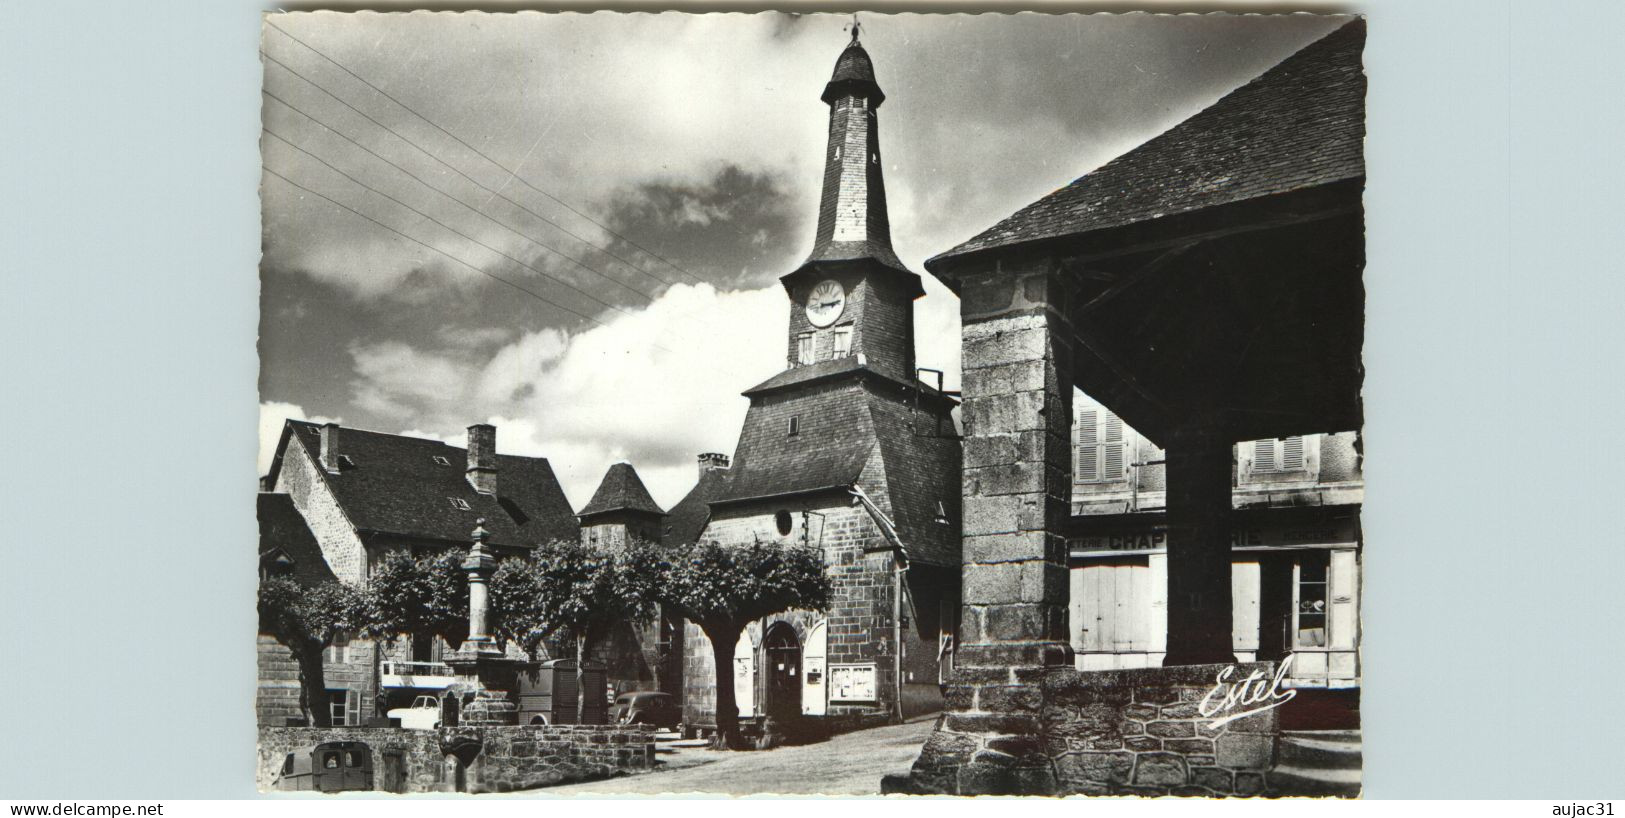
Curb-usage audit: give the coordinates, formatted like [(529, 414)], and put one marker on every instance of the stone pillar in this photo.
[(480, 565), (1017, 496), (1017, 464), (1199, 605)]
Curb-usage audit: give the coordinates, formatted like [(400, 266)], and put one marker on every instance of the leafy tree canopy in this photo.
[(426, 596), (710, 583)]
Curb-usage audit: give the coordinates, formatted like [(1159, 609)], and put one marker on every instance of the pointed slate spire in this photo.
[(852, 220)]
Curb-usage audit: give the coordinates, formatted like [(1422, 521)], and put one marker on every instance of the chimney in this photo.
[(712, 461), (482, 458), (330, 448)]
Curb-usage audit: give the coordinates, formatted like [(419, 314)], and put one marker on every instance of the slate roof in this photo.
[(395, 486), (855, 71), (621, 490), (828, 369), (688, 518), (844, 427), (283, 531), (1300, 124)]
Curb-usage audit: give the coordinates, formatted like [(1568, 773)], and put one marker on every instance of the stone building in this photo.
[(621, 510), (1295, 565), (363, 494), (635, 656), (1206, 287), (846, 451)]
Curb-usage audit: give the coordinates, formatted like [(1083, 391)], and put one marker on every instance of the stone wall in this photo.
[(490, 759), (1114, 732), (300, 479), (859, 622)]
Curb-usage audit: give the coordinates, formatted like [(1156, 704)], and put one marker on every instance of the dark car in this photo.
[(647, 707)]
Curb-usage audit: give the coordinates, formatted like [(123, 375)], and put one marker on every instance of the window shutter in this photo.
[(1292, 453), (1111, 467), (1263, 455), (1087, 461)]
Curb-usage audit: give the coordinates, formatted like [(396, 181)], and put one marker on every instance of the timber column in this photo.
[(1199, 596), (1017, 496)]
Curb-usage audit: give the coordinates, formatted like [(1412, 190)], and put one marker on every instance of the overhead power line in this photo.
[(453, 168), (476, 211), (470, 265), (442, 224), (513, 174), (336, 203)]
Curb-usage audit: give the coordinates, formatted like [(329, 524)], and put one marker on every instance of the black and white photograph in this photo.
[(639, 415), (904, 408)]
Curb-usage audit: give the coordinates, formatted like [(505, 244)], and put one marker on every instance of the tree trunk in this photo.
[(723, 637), (313, 686), (581, 677)]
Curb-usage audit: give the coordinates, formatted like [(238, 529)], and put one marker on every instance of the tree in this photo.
[(572, 589), (416, 597), (725, 589), (306, 620)]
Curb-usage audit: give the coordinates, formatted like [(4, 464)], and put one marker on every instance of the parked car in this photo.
[(424, 714), (336, 766), (647, 707)]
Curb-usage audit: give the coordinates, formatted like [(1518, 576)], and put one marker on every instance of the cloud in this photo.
[(273, 414)]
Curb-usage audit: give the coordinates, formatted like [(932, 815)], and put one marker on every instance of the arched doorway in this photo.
[(782, 650)]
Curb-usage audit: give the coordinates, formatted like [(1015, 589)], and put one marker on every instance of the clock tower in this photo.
[(847, 452), (852, 297)]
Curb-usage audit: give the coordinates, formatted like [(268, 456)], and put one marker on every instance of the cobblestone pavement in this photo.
[(850, 764)]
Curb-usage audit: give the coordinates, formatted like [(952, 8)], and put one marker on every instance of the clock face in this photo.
[(825, 303)]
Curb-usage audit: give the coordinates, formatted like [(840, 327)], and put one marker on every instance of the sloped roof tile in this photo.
[(1297, 125), (621, 490), (395, 485)]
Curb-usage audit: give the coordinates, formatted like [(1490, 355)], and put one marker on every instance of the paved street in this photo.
[(850, 764)]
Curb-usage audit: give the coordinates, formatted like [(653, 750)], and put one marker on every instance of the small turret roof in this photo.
[(621, 490)]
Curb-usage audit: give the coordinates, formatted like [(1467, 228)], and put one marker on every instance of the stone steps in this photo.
[(1317, 762)]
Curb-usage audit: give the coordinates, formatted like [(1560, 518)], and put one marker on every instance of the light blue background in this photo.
[(128, 246)]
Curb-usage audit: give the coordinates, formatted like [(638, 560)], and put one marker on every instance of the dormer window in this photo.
[(458, 503), (441, 461)]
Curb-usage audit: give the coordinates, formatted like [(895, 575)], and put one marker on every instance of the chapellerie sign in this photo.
[(1231, 699)]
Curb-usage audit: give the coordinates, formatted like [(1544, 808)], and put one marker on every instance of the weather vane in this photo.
[(855, 26)]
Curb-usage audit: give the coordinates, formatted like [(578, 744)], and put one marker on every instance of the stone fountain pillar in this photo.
[(480, 662)]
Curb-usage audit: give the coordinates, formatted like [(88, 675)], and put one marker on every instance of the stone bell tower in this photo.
[(853, 297)]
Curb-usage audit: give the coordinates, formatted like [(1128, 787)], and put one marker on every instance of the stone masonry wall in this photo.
[(340, 546), (496, 759), (1114, 732), (860, 628)]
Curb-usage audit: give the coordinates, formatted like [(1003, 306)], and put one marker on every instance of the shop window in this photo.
[(1100, 453), (804, 348), (1310, 631), (842, 338)]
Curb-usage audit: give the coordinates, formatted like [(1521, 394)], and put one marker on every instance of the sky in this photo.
[(621, 192)]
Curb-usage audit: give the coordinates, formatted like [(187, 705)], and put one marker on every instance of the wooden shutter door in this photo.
[(1343, 618), (1087, 465), (1111, 460), (1292, 453), (1263, 455)]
